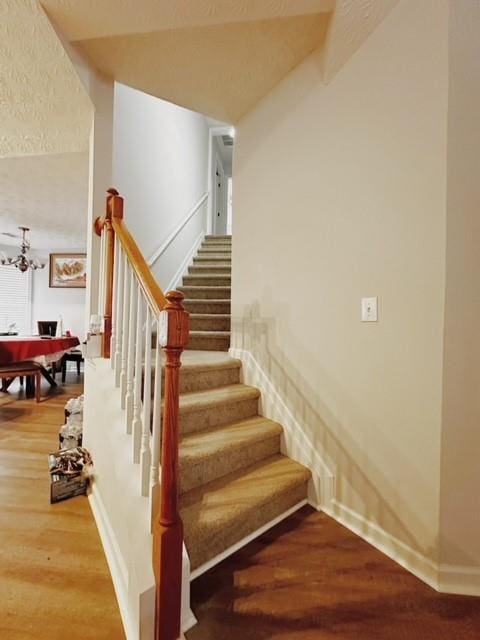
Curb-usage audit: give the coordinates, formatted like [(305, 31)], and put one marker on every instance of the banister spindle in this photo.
[(145, 458), (132, 327), (120, 269), (127, 277), (156, 432), (168, 531), (137, 380)]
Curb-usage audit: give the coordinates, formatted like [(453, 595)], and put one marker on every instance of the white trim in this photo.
[(161, 249), (116, 563), (459, 579), (295, 443), (182, 269), (410, 559), (238, 545)]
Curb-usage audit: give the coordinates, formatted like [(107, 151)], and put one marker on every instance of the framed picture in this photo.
[(68, 270)]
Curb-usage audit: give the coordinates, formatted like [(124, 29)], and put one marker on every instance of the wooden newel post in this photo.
[(114, 209), (173, 336)]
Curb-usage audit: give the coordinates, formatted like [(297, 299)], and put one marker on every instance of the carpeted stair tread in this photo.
[(222, 512), (203, 360), (211, 305), (213, 398), (212, 257), (213, 267), (205, 292), (210, 322), (212, 237), (207, 279), (213, 453), (210, 334)]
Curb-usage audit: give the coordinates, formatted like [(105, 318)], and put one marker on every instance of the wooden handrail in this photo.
[(173, 321)]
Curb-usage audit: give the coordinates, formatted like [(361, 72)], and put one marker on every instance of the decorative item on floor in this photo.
[(71, 433), (70, 473), (24, 260), (68, 270)]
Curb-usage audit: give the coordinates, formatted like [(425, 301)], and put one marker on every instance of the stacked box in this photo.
[(71, 433), (68, 473)]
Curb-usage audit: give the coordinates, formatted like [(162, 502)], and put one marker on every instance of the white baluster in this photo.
[(101, 284), (132, 329), (137, 380), (145, 457), (113, 338), (156, 431), (127, 277), (120, 268)]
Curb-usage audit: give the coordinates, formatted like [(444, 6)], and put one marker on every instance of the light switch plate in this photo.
[(369, 310)]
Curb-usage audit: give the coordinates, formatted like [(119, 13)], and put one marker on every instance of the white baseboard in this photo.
[(415, 562), (295, 443), (182, 270), (459, 579), (235, 547), (116, 564)]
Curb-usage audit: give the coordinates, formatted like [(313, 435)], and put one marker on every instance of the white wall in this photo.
[(340, 193), (160, 167), (48, 303), (460, 522)]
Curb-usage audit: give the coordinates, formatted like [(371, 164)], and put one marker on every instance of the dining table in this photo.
[(38, 348)]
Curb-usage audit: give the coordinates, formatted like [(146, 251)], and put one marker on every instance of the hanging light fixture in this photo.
[(23, 261)]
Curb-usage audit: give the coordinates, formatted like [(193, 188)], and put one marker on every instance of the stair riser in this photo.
[(212, 267), (212, 257), (208, 280), (211, 238), (208, 379), (194, 475), (216, 415), (201, 550), (207, 343), (209, 324), (222, 246), (202, 293), (203, 306), (215, 248)]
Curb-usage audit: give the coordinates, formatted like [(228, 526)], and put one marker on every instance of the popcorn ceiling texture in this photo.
[(47, 193), (92, 19), (352, 22), (43, 107)]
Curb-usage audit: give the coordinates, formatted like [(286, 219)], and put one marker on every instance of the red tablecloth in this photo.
[(16, 349)]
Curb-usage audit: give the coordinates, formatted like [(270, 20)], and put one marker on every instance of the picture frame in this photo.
[(68, 271)]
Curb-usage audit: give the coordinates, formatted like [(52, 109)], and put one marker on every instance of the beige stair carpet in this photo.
[(233, 478)]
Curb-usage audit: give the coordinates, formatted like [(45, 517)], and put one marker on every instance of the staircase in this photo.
[(233, 478), (207, 295), (220, 458)]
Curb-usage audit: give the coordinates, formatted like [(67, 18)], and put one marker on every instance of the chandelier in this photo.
[(23, 261)]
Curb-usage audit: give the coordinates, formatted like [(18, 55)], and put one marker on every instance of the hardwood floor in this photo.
[(309, 578), (54, 579)]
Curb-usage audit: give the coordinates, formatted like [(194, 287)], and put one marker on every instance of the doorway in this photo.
[(221, 160)]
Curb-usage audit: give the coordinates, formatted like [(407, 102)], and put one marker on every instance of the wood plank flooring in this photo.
[(309, 578), (54, 579)]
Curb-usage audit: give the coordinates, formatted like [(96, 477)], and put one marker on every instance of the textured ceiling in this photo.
[(352, 22), (43, 107), (220, 70), (48, 194), (85, 19)]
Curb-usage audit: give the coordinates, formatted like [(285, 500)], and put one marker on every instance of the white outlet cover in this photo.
[(369, 309)]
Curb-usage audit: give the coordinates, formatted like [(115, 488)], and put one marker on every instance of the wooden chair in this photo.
[(9, 372), (47, 327), (75, 355)]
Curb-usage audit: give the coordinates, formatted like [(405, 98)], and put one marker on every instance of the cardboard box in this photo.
[(66, 485), (63, 487)]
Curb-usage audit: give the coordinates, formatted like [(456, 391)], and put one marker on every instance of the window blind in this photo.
[(15, 299)]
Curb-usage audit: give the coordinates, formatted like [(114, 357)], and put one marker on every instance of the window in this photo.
[(15, 299)]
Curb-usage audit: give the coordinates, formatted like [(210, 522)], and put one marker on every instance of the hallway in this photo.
[(309, 578), (53, 574)]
